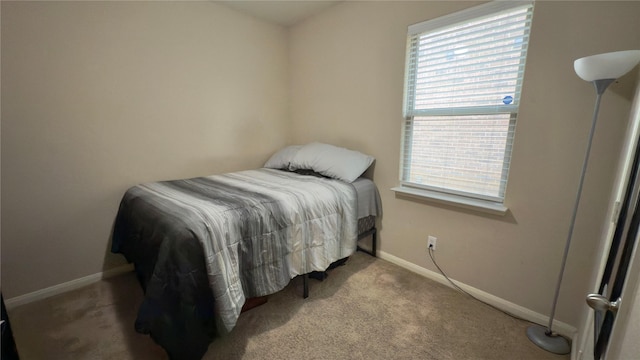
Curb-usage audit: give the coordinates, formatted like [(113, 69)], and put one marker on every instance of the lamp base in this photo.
[(551, 342)]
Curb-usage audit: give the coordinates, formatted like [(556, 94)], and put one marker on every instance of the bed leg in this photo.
[(305, 285), (373, 232), (373, 242)]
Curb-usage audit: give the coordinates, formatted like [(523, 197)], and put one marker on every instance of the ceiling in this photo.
[(283, 12)]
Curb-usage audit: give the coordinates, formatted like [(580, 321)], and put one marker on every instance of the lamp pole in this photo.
[(601, 86), (545, 337)]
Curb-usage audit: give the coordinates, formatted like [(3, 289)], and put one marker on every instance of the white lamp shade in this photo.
[(606, 66)]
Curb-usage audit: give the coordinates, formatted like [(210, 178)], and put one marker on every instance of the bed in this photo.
[(203, 246)]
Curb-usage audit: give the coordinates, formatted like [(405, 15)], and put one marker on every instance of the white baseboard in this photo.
[(558, 326), (67, 286)]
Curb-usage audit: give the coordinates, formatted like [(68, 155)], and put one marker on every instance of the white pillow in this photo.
[(282, 157), (332, 161)]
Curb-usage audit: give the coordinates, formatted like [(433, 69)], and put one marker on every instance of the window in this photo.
[(463, 81)]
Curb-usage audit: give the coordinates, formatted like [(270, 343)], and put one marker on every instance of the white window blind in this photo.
[(463, 81)]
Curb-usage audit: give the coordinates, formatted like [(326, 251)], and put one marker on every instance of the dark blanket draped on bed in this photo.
[(202, 246), (177, 309)]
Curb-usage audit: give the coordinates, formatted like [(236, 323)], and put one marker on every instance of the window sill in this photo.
[(454, 200)]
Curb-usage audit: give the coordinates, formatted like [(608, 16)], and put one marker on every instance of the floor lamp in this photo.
[(601, 70)]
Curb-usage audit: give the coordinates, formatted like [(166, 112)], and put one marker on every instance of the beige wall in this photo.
[(347, 68), (97, 97)]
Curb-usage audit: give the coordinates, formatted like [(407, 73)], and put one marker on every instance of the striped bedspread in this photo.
[(254, 230)]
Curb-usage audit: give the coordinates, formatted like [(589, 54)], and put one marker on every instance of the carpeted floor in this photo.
[(367, 309)]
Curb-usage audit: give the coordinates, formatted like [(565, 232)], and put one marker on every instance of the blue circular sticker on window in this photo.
[(507, 100)]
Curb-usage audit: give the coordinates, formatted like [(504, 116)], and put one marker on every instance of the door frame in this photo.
[(622, 335)]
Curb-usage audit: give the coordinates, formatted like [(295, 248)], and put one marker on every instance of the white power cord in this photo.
[(466, 293)]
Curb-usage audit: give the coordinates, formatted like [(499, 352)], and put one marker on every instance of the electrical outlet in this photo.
[(431, 242)]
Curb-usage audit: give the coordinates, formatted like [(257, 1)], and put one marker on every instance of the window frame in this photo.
[(492, 204)]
